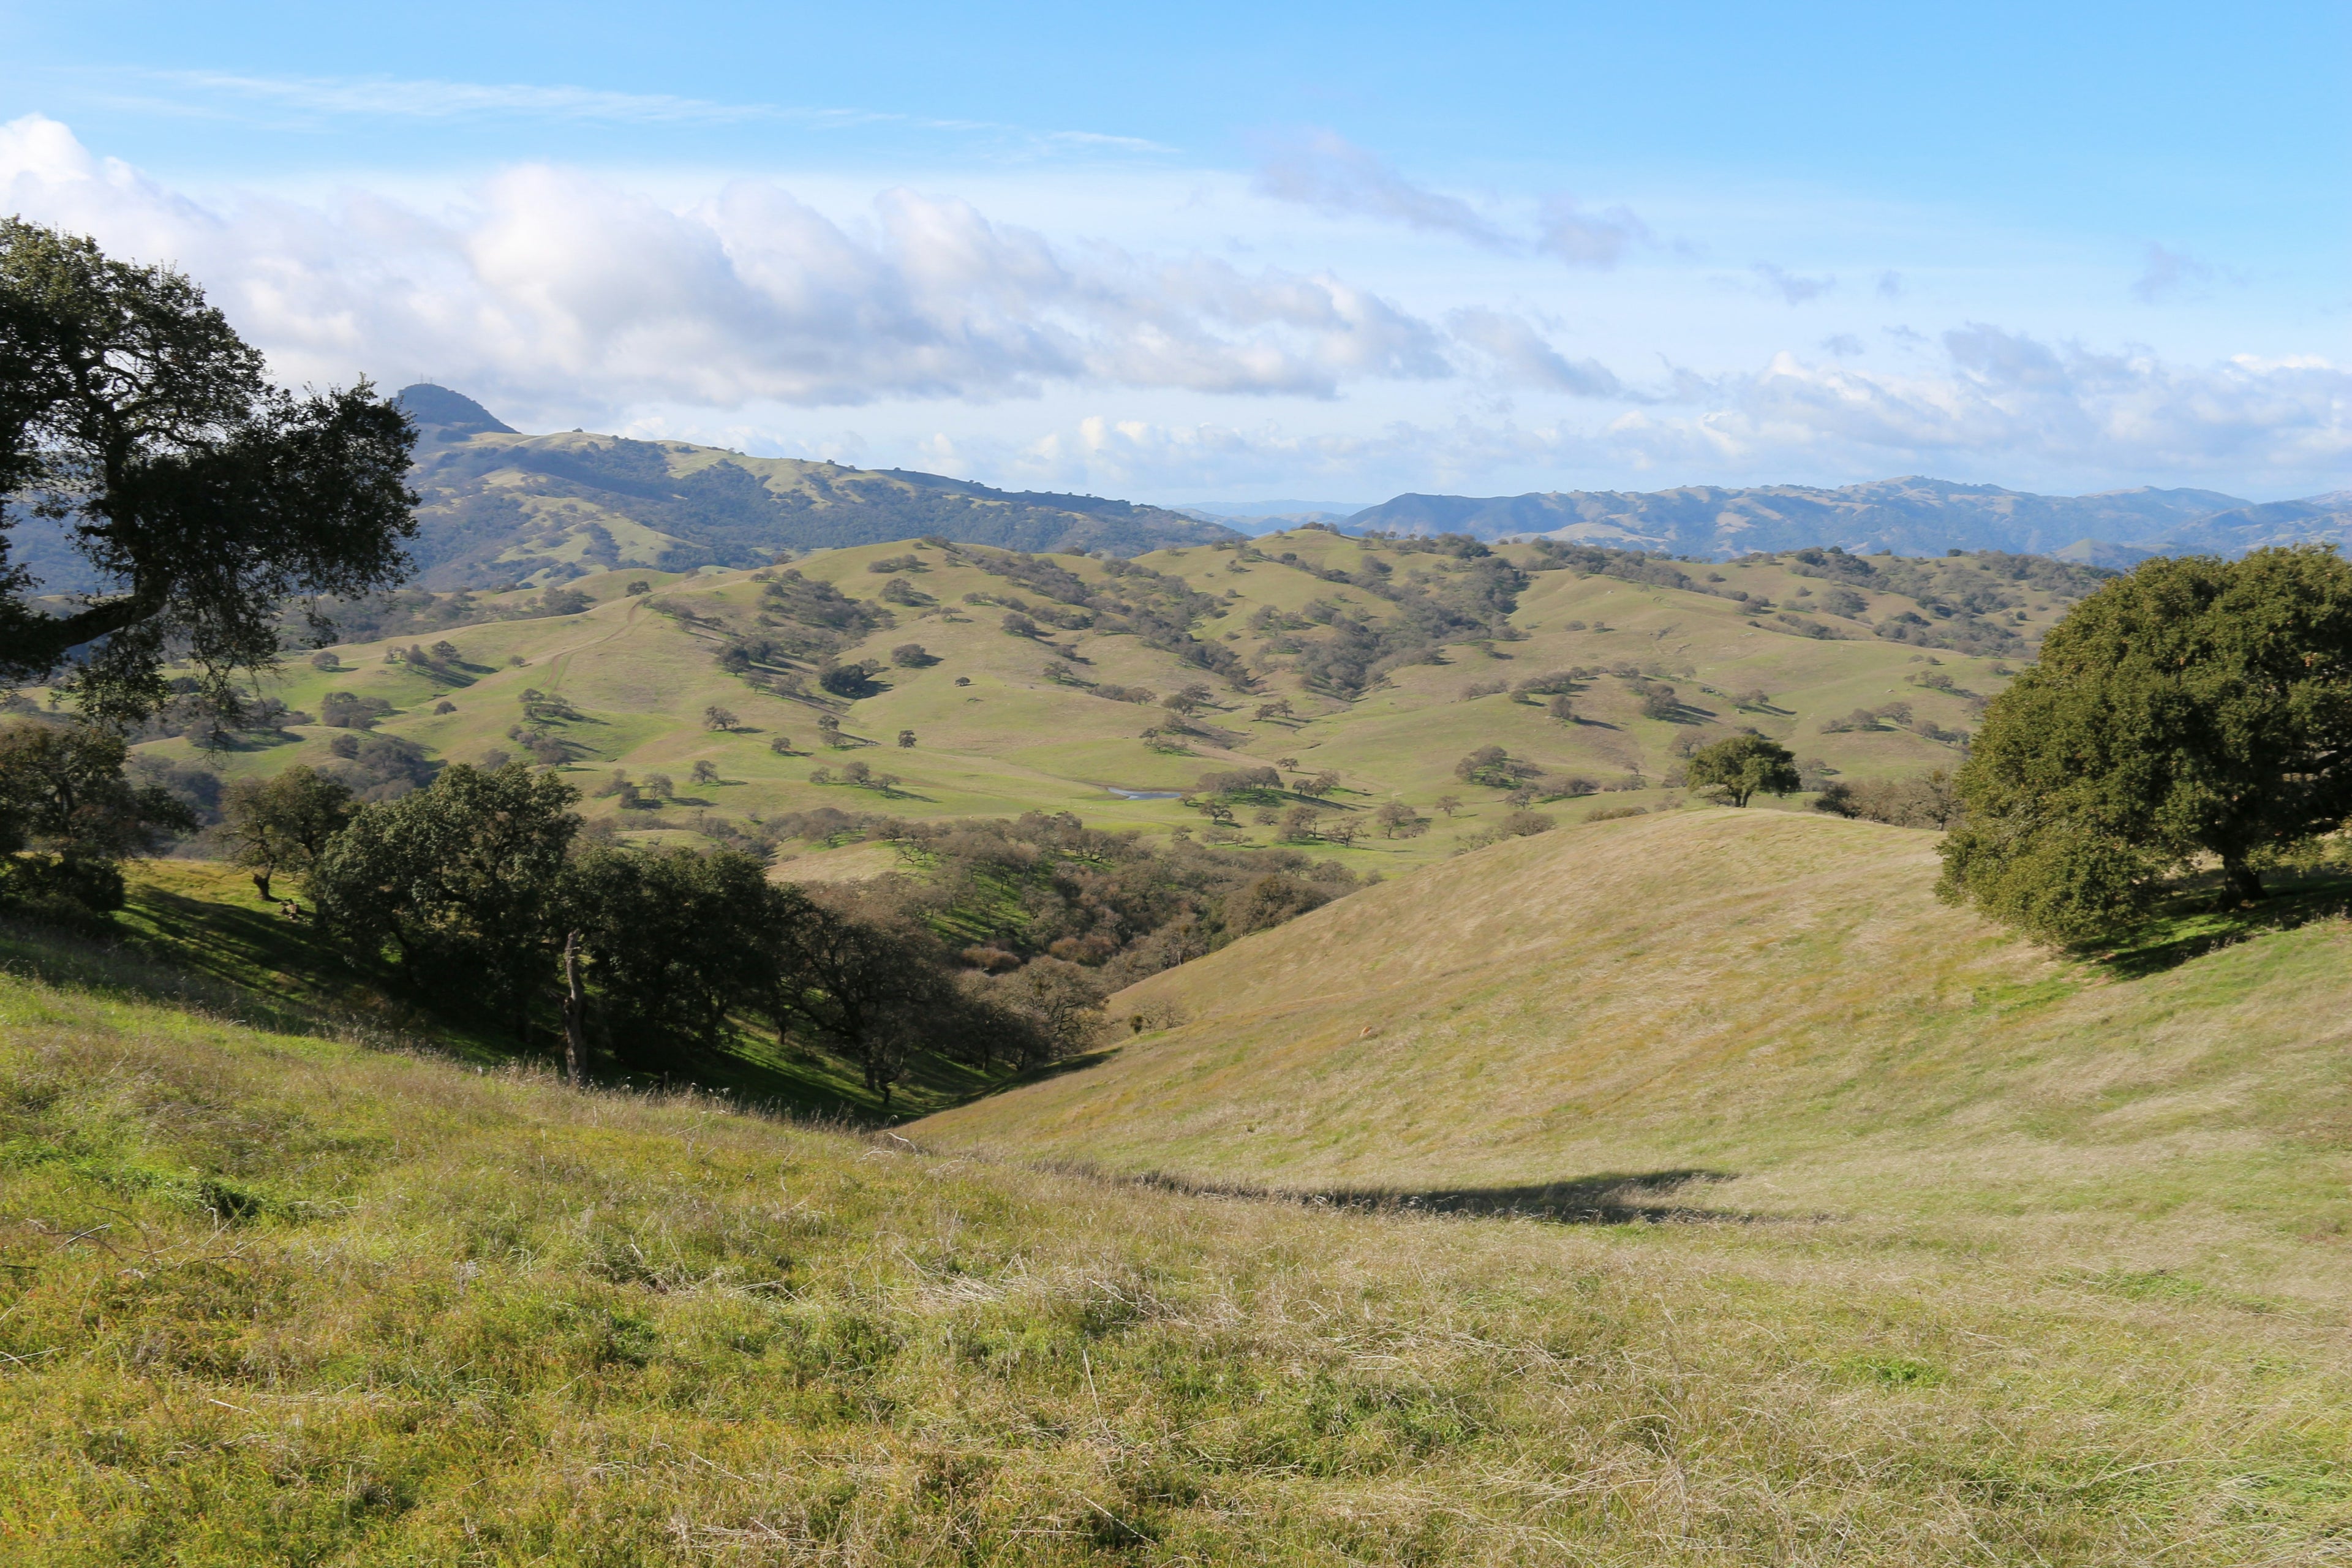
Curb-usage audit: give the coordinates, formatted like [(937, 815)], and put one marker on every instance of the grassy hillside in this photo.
[(637, 673), (270, 1297), (1772, 999), (501, 507)]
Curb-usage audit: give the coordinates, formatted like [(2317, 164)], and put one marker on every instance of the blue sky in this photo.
[(1224, 251)]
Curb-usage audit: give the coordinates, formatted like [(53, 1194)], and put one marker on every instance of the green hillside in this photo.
[(271, 1297), (1005, 723), (1775, 999), (498, 506)]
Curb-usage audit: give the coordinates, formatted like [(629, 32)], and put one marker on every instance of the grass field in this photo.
[(271, 1297), (1011, 740), (1775, 1001)]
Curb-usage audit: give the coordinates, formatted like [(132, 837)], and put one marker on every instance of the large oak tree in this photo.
[(132, 415), (2196, 710)]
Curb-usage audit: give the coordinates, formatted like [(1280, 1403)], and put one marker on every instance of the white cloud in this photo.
[(1995, 404), (552, 286), (1327, 172), (1520, 355), (562, 298)]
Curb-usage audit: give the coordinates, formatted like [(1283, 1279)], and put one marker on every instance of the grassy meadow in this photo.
[(277, 1297), (1009, 739)]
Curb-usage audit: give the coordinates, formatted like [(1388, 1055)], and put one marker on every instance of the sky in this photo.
[(1217, 252)]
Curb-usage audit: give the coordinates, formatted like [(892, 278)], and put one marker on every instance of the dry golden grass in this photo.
[(1774, 998), (268, 1299)]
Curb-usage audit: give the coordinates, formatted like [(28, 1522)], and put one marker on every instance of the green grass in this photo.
[(1775, 998), (1012, 740), (275, 1297)]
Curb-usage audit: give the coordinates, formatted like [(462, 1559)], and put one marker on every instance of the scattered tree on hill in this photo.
[(1494, 768), (1318, 786), (2194, 708), (671, 944), (910, 656), (283, 824), (133, 412), (828, 729), (1398, 820), (1926, 800), (1298, 823), (68, 818), (1449, 805), (1018, 626), (706, 772), (717, 718), (457, 881), (906, 738), (781, 744), (1561, 709), (1738, 768)]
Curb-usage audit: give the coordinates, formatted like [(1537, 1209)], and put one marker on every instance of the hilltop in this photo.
[(1771, 994), (497, 507), (1385, 662)]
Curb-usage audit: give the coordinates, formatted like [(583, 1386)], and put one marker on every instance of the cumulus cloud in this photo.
[(553, 280), (1993, 403)]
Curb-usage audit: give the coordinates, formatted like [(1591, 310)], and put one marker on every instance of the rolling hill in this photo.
[(1772, 994), (1845, 1231), (1911, 516), (1387, 692), (497, 507)]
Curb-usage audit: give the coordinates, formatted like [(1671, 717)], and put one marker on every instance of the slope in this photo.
[(1775, 998), (1911, 515), (1003, 722), (497, 507), (269, 1298)]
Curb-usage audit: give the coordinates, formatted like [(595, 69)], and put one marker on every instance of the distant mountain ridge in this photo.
[(497, 507), (1911, 516)]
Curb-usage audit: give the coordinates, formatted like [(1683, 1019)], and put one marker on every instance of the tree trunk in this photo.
[(2244, 879), (575, 1008), (261, 885)]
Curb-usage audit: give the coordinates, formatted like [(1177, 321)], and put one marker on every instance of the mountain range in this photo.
[(1910, 516), (497, 507)]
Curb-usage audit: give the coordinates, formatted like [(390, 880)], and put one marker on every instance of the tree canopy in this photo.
[(132, 413), (2196, 708), (1742, 766)]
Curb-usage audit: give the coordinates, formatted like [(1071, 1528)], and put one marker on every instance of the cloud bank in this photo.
[(562, 297)]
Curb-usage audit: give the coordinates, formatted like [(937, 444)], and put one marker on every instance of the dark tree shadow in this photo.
[(1646, 1197), (2200, 919)]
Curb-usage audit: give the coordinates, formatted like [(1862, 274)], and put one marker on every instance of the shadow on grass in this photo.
[(2199, 919), (1646, 1197)]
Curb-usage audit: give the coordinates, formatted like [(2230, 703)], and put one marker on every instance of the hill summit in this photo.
[(497, 507)]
